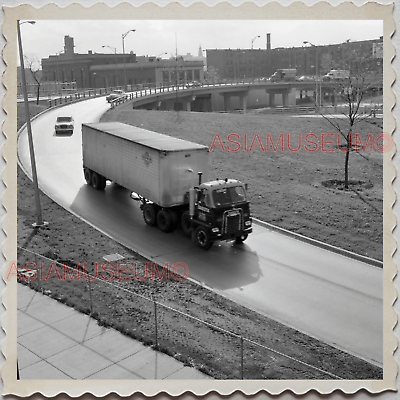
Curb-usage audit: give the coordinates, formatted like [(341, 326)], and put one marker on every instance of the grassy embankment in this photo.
[(286, 188)]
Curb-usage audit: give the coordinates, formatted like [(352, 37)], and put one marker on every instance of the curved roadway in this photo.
[(328, 296)]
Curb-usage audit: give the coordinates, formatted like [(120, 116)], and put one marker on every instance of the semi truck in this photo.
[(284, 75), (170, 179)]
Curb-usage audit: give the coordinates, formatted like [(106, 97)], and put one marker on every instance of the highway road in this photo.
[(328, 296)]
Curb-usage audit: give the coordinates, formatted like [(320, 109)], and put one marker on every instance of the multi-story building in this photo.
[(93, 70), (308, 60)]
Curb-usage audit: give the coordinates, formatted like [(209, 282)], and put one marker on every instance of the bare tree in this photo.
[(34, 66), (363, 81)]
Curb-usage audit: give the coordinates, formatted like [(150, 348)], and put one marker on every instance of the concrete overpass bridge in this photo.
[(229, 96)]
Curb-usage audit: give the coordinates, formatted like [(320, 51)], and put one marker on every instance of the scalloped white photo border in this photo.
[(270, 11)]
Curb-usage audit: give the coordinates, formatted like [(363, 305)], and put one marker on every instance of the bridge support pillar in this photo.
[(186, 103), (285, 99), (271, 99), (227, 102), (243, 102), (334, 97)]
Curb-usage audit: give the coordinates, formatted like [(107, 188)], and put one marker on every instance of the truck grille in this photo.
[(232, 221)]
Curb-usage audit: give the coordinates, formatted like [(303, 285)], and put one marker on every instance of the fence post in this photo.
[(155, 320), (241, 357), (90, 296), (37, 273)]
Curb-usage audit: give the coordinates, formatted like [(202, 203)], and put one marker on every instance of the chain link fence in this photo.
[(198, 343)]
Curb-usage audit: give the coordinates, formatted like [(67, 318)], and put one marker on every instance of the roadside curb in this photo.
[(317, 243)]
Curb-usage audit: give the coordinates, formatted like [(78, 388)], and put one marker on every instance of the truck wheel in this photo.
[(241, 239), (97, 181), (174, 217), (185, 224), (150, 214), (164, 220), (203, 238), (88, 176), (103, 183)]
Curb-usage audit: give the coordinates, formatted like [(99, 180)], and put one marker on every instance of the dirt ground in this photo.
[(69, 240)]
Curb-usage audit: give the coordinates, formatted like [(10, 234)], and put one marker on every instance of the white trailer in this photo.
[(158, 167), (164, 173)]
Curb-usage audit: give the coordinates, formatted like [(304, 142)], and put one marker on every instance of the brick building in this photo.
[(262, 63), (93, 70)]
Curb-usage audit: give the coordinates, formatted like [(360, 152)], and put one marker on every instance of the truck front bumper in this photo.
[(215, 236)]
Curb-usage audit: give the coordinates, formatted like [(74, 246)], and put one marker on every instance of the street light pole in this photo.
[(116, 65), (39, 221), (124, 35), (317, 95), (252, 58)]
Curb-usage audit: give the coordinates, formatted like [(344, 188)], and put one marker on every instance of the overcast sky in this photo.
[(153, 37)]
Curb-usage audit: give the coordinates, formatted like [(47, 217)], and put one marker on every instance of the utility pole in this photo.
[(39, 221), (252, 58), (124, 35), (317, 95), (116, 64)]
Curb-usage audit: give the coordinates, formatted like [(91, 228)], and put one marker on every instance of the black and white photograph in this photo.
[(199, 199)]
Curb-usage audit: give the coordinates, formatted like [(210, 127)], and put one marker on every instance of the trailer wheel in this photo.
[(88, 176), (175, 220), (164, 220), (103, 183), (96, 181), (150, 214), (185, 224), (241, 239), (203, 238)]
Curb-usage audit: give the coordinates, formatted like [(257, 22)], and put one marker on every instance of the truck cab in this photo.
[(219, 210)]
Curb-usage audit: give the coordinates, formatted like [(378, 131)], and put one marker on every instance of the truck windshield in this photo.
[(229, 195), (63, 119)]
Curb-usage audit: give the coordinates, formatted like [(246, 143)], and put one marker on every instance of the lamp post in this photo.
[(39, 220), (317, 95), (157, 70), (116, 65), (124, 35), (252, 58)]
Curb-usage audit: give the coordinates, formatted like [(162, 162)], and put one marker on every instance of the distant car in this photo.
[(64, 125), (305, 78), (115, 94), (193, 84)]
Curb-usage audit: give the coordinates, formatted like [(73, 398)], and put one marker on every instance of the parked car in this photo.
[(193, 84), (115, 94), (64, 125)]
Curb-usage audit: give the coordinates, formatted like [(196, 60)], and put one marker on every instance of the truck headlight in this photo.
[(248, 223), (215, 230)]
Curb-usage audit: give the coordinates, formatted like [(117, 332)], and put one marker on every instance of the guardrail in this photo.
[(78, 96), (169, 330), (367, 109)]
